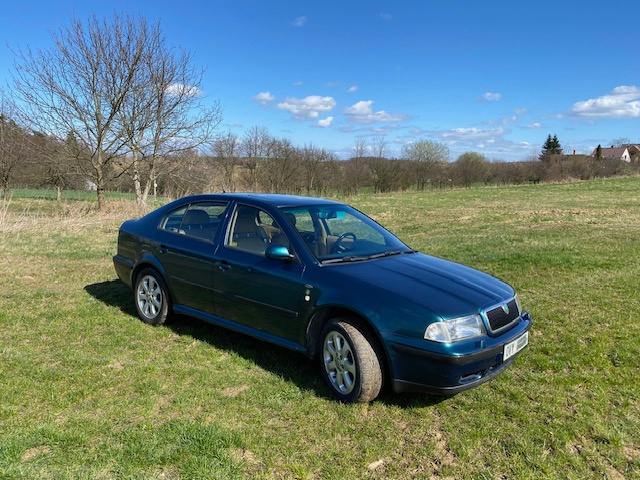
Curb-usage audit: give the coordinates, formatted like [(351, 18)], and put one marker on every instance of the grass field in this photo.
[(88, 391)]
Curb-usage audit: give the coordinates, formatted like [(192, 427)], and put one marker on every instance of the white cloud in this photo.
[(179, 90), (299, 22), (325, 123), (471, 134), (492, 97), (298, 83), (370, 129), (352, 89), (504, 121), (386, 16), (362, 113), (622, 102), (264, 98), (308, 108)]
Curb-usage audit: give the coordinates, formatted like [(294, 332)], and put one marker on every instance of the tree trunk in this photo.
[(98, 167), (100, 191), (137, 183), (5, 188)]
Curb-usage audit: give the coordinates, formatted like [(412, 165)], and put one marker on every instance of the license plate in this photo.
[(511, 348)]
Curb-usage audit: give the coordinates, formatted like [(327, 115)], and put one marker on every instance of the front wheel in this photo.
[(151, 297), (350, 362)]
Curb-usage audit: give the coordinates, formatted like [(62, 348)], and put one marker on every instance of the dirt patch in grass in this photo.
[(235, 391), (34, 453)]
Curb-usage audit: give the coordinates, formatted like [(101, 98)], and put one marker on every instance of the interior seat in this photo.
[(196, 224), (249, 236)]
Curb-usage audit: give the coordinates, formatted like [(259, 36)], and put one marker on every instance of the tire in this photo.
[(151, 297), (350, 361)]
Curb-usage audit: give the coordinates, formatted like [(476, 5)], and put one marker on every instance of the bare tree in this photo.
[(357, 167), (12, 142), (385, 172), (312, 158), (360, 147), (427, 155), (379, 145), (80, 86), (618, 142), (164, 113), (226, 149), (329, 174), (281, 169), (51, 165), (258, 147)]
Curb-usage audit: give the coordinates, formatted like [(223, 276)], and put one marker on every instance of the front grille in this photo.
[(498, 318)]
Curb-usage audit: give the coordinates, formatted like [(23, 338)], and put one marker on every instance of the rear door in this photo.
[(186, 248)]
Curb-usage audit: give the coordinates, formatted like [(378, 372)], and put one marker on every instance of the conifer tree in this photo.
[(551, 146)]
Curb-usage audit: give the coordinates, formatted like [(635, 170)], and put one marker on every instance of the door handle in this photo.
[(224, 265), (163, 249)]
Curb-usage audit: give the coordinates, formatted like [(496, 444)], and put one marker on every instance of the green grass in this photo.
[(88, 391)]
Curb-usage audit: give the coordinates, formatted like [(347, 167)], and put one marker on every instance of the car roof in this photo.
[(276, 200)]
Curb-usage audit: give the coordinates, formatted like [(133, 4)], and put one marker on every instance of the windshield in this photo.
[(339, 233)]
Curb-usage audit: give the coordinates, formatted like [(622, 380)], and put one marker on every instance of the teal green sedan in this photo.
[(322, 279)]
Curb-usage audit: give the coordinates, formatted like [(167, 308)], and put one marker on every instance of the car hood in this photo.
[(446, 288)]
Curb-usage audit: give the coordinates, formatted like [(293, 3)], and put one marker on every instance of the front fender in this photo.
[(387, 314)]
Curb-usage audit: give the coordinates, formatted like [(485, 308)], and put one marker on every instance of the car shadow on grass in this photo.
[(113, 293), (288, 365)]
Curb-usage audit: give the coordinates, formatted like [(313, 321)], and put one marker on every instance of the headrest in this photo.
[(195, 217)]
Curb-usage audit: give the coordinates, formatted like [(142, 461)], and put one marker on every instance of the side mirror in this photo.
[(278, 252)]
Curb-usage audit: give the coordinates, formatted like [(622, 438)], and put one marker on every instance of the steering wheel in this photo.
[(338, 244)]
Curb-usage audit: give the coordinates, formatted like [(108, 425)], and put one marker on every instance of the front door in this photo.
[(251, 289)]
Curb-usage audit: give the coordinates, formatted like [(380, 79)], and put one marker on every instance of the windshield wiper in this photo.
[(353, 258), (344, 259), (389, 253)]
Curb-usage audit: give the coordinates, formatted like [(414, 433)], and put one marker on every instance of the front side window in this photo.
[(253, 230), (339, 232)]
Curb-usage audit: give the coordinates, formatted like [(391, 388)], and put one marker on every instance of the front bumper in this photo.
[(419, 370)]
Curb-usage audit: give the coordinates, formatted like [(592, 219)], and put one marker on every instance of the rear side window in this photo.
[(198, 220), (172, 221)]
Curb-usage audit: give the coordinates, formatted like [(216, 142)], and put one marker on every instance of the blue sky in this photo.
[(494, 77)]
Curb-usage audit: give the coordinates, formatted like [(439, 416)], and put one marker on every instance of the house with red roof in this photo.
[(627, 152)]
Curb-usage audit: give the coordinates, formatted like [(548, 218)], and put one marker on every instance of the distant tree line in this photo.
[(260, 162)]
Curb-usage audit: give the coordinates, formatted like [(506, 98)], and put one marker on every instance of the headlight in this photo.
[(519, 305), (455, 329)]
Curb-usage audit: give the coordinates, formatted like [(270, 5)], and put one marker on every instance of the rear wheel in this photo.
[(350, 361), (151, 297)]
